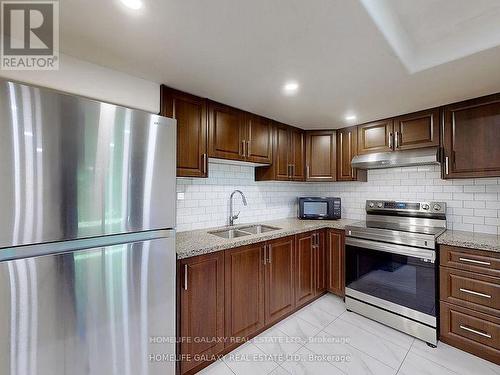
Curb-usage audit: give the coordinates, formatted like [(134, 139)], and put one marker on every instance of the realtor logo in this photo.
[(29, 35)]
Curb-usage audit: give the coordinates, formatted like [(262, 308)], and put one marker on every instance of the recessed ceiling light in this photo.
[(132, 4), (290, 88), (350, 118)]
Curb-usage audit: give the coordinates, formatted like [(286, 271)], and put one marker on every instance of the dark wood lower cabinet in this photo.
[(472, 331), (469, 306), (201, 308), (279, 275), (244, 291), (320, 262), (230, 296), (305, 289), (335, 259)]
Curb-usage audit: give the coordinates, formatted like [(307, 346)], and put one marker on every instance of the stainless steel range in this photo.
[(391, 274)]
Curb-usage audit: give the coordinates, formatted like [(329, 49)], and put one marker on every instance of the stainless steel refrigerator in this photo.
[(87, 239)]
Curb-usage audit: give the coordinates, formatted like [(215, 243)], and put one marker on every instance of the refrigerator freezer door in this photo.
[(101, 311), (75, 168)]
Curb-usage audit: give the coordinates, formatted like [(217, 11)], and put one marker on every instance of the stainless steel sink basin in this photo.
[(243, 231), (258, 229), (230, 233)]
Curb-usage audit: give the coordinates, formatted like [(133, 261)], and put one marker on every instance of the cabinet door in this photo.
[(201, 307), (335, 260), (258, 139), (298, 153), (320, 156), (375, 137), (279, 297), (244, 297), (472, 138), (304, 269), (320, 262), (347, 146), (417, 130), (192, 128), (226, 132)]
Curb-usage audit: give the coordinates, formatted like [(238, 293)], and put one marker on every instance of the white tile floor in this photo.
[(323, 338)]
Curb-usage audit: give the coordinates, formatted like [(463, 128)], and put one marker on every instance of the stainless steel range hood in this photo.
[(424, 156)]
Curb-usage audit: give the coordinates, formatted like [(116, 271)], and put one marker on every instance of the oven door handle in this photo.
[(413, 252)]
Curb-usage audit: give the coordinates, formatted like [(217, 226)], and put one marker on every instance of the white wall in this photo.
[(94, 81), (473, 204)]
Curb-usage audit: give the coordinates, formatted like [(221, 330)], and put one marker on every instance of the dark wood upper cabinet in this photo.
[(417, 130), (288, 156), (192, 130), (347, 148), (472, 138), (335, 259), (305, 288), (298, 154), (375, 137), (258, 138), (279, 277), (282, 144), (226, 132), (244, 297), (201, 307), (321, 150)]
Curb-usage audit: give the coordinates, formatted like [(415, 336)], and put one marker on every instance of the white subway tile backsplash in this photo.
[(485, 212), (473, 220), (473, 204)]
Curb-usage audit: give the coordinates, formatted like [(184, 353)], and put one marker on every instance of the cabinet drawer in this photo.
[(484, 262), (471, 331), (478, 292)]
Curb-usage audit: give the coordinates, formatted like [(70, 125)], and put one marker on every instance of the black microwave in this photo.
[(327, 208)]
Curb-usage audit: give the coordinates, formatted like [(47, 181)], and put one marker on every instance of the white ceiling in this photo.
[(375, 58)]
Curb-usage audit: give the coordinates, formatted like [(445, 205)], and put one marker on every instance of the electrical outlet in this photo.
[(180, 196)]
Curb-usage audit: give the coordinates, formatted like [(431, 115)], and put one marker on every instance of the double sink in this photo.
[(244, 231)]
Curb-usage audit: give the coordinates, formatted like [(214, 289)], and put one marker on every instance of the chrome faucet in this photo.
[(232, 217)]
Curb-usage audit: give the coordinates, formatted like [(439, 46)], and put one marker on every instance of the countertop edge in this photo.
[(470, 240), (252, 239)]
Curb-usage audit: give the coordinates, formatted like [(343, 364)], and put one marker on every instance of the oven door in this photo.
[(400, 279)]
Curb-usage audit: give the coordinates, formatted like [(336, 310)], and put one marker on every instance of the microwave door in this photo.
[(315, 209)]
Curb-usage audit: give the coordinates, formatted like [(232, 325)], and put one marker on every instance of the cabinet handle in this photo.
[(248, 148), (243, 148), (390, 140), (205, 163), (265, 254), (289, 171), (465, 328), (475, 293), (307, 171), (447, 165), (185, 277), (269, 254), (475, 261), (396, 140)]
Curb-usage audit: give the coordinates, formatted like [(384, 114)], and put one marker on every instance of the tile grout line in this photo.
[(362, 351), (437, 363), (404, 359), (386, 340)]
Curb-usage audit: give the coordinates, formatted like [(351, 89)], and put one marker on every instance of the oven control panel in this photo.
[(410, 207)]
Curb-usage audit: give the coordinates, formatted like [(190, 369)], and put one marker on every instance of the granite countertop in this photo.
[(479, 241), (198, 242)]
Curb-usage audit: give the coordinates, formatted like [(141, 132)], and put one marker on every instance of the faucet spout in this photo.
[(233, 217)]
